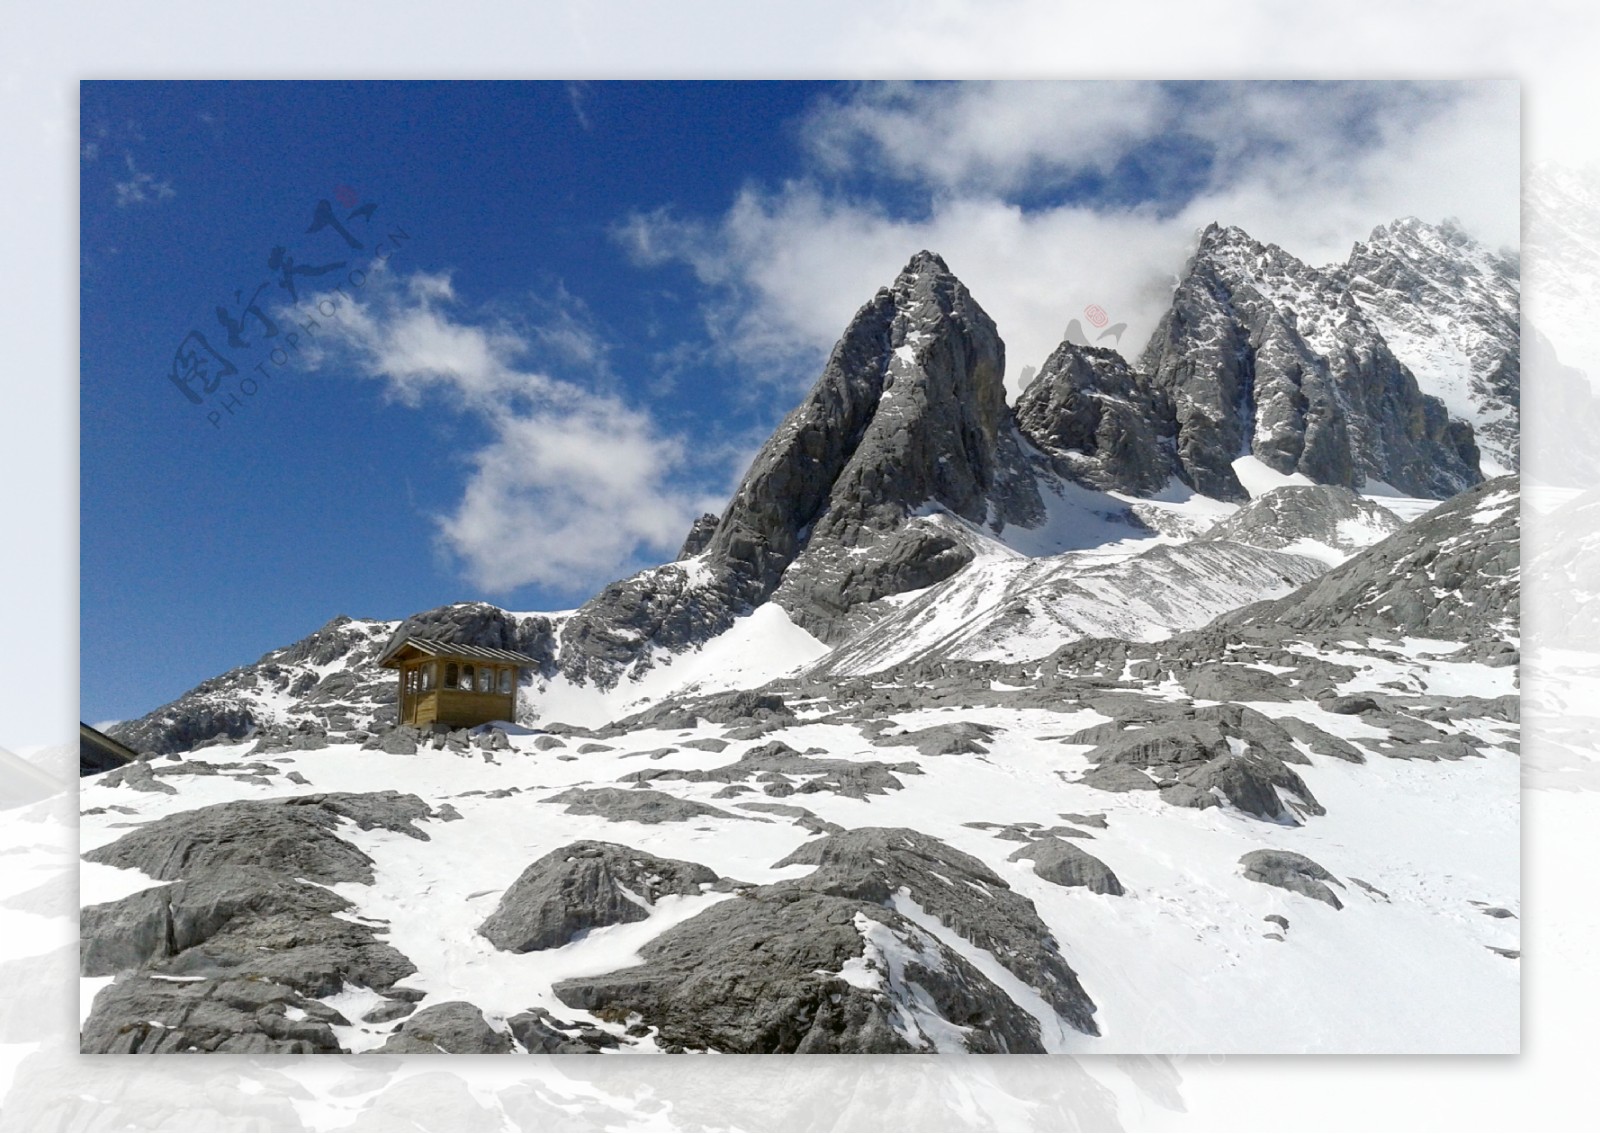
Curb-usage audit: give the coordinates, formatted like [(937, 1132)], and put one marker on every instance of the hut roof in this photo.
[(438, 648)]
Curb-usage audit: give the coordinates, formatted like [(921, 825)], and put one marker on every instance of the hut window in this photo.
[(466, 678), (411, 681), (451, 675), (427, 677), (486, 679), (506, 679)]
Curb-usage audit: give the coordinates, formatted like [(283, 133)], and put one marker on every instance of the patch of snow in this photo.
[(1259, 478), (757, 648)]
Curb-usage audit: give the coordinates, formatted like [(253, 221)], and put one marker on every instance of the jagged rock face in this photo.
[(482, 624), (669, 607), (1264, 355), (1453, 574), (700, 533), (908, 416), (1325, 513), (909, 410), (1449, 309), (1097, 421)]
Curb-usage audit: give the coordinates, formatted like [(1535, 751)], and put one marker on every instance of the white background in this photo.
[(45, 50)]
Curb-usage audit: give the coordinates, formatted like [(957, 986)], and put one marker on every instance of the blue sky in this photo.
[(605, 297)]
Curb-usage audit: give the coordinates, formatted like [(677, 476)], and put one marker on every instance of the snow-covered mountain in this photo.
[(1262, 354), (964, 727), (1449, 309)]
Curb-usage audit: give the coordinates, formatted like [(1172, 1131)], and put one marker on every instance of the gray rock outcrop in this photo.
[(1449, 308), (637, 806), (233, 954), (1096, 419), (835, 962), (765, 975), (1327, 513), (582, 886), (452, 1028), (1056, 860), (1290, 871), (1453, 574)]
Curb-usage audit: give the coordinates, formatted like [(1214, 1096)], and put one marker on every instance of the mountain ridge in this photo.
[(904, 465)]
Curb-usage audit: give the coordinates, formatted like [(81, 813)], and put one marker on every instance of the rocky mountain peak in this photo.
[(1096, 419), (1262, 355), (908, 419), (1450, 310), (926, 261)]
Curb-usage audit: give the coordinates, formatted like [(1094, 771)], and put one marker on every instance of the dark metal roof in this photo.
[(98, 752), (436, 647)]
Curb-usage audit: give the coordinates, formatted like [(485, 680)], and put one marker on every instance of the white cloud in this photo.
[(566, 493), (1313, 167), (577, 96), (574, 483), (992, 135), (141, 188)]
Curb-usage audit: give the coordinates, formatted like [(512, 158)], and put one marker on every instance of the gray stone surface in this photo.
[(246, 910), (292, 836), (856, 779), (541, 1033), (1288, 870), (1452, 574), (877, 862), (760, 976), (802, 817), (1327, 513), (1118, 777), (636, 805), (452, 1028), (758, 973), (582, 886), (139, 776), (248, 922), (143, 1015), (1187, 795), (1058, 861), (956, 738), (1096, 419), (1175, 742)]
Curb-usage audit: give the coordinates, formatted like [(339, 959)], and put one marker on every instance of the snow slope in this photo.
[(1179, 963)]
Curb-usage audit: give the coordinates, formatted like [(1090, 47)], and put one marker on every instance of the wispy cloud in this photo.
[(141, 188), (1048, 197), (575, 484), (577, 95)]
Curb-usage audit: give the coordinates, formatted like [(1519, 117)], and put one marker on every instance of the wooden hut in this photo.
[(98, 753), (452, 684)]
